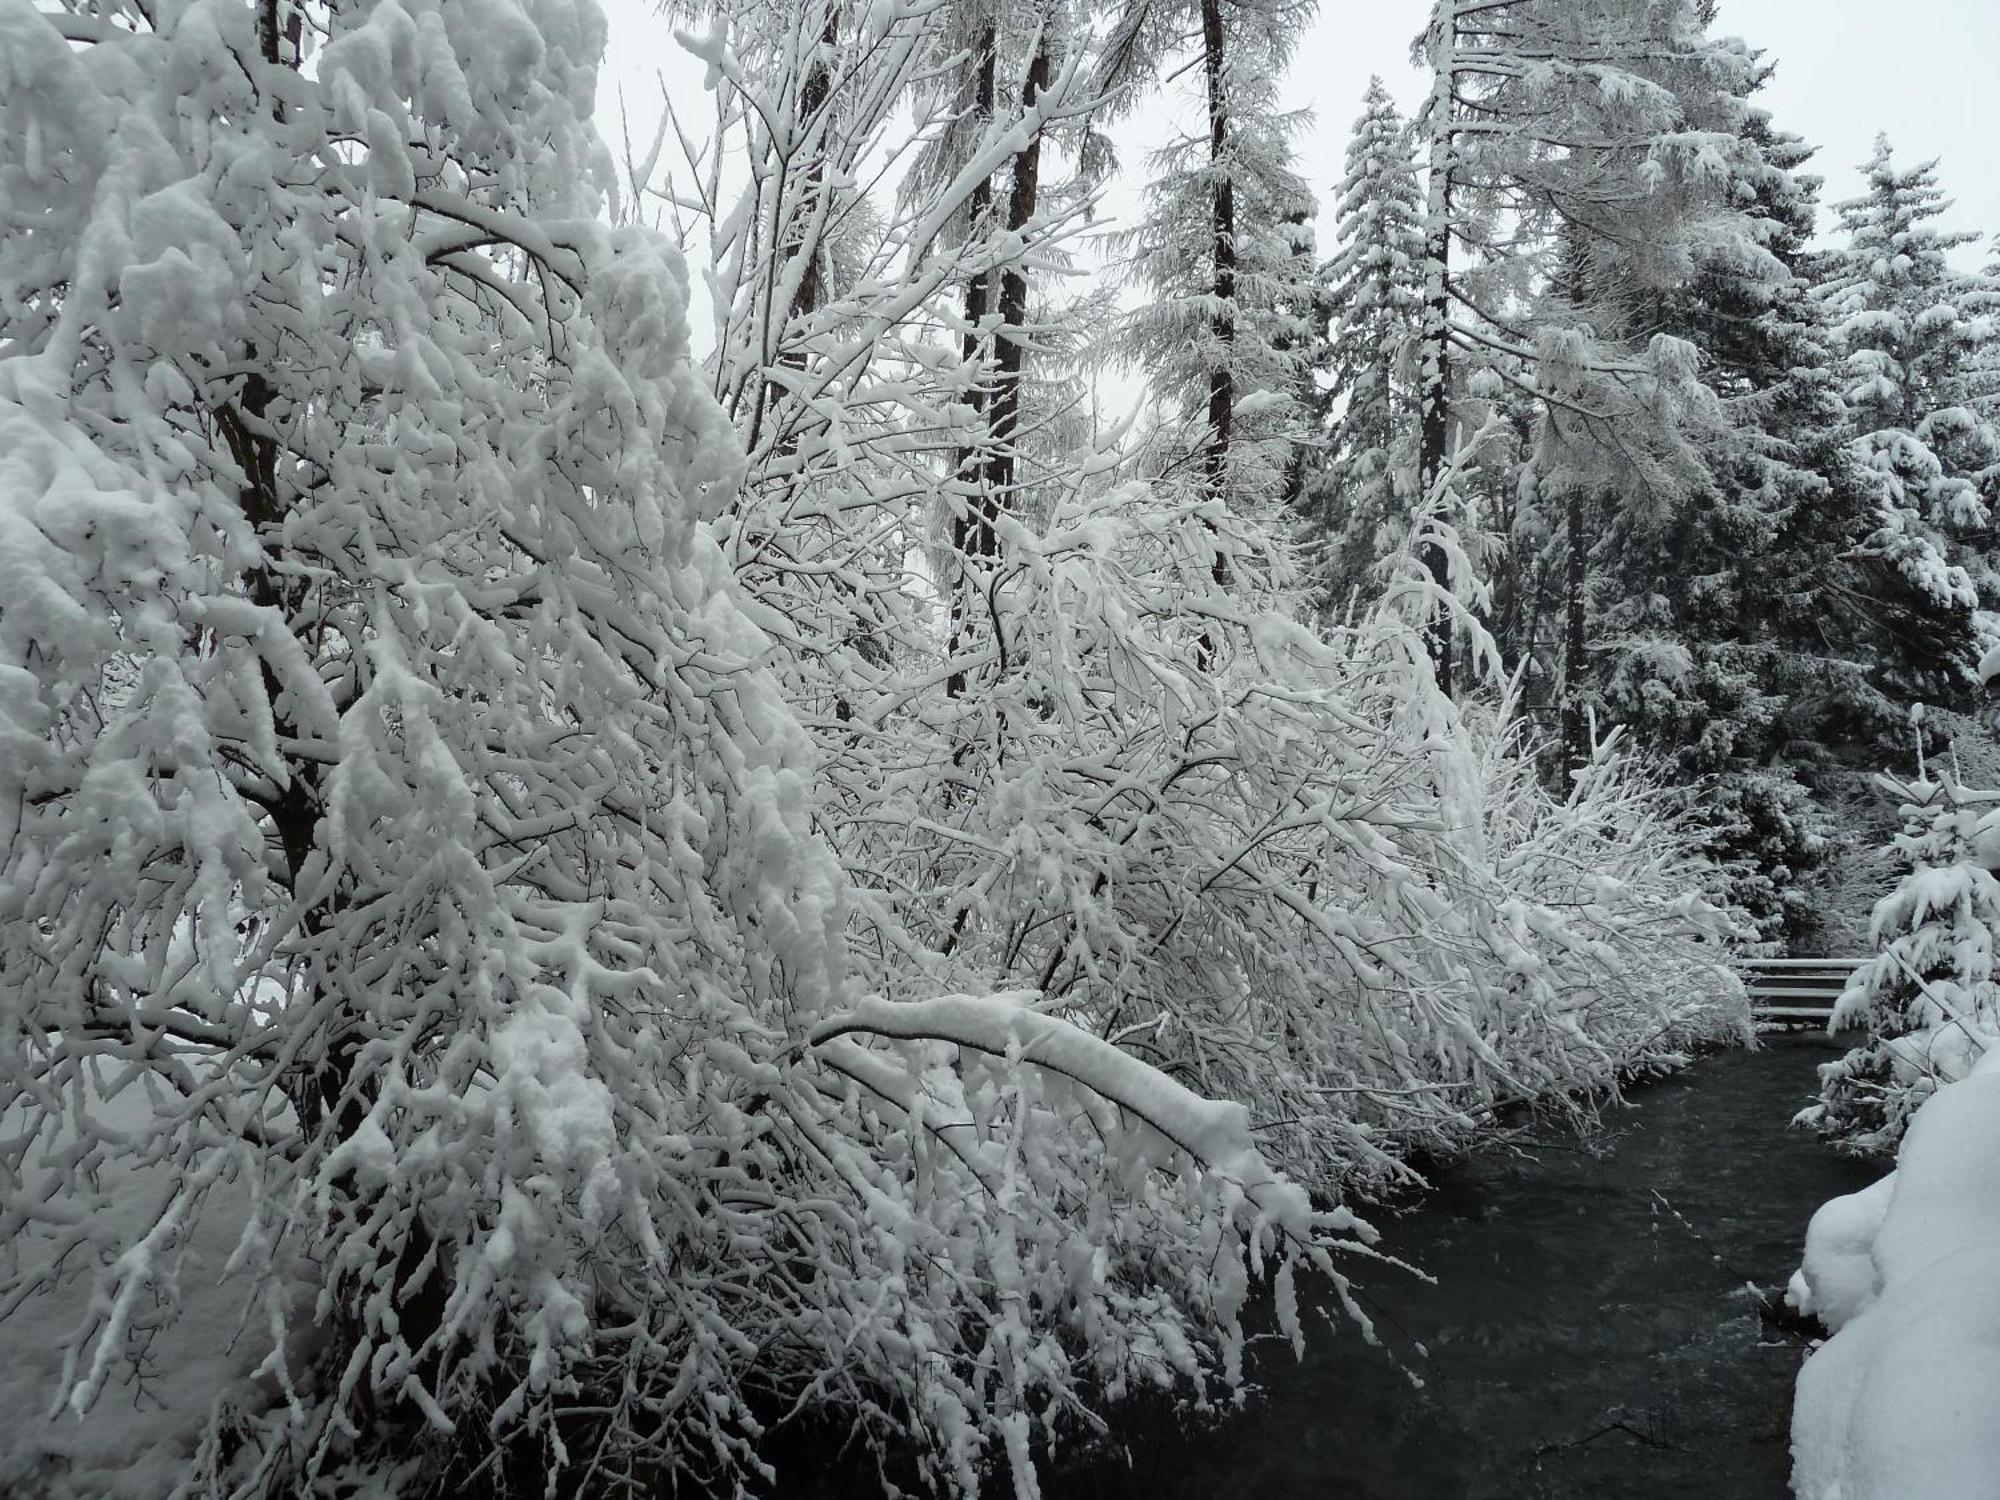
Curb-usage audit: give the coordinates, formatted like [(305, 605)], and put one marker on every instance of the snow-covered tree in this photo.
[(1721, 618), (1929, 1001), (403, 810), (1359, 499), (1225, 330), (1224, 249), (1753, 632), (1576, 154), (1779, 552), (1909, 328)]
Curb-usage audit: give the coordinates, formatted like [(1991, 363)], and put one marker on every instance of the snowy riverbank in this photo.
[(1903, 1401)]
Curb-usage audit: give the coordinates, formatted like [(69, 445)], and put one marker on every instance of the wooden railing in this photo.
[(1797, 991)]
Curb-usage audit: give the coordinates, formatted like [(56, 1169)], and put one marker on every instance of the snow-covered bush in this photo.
[(1282, 866), (1928, 1001), (554, 927), (1099, 757), (1903, 1402), (401, 809)]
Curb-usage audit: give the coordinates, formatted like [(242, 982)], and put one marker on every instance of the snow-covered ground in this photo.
[(1903, 1401)]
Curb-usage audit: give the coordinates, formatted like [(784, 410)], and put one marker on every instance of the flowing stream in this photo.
[(1590, 1335)]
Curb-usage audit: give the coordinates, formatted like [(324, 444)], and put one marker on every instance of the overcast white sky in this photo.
[(1919, 69)]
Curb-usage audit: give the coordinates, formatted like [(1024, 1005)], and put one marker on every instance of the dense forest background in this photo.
[(1680, 643)]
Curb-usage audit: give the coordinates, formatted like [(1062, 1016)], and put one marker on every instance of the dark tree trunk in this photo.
[(972, 529), (1011, 339), (1575, 683), (1434, 357), (1221, 378), (1433, 432), (1222, 375), (802, 231), (813, 100)]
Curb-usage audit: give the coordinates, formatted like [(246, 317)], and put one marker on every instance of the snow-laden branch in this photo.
[(1216, 1134)]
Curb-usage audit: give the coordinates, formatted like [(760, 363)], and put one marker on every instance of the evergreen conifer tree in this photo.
[(1908, 330), (1226, 250), (1574, 155), (1753, 630), (1732, 620), (1929, 1001), (1359, 497)]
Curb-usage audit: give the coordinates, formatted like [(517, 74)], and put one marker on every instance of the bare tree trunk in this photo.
[(1434, 355), (972, 529), (1011, 339), (324, 1087), (1575, 684), (800, 233), (813, 100), (297, 807), (1222, 375)]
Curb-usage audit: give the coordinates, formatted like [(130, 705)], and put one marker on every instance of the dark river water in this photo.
[(1584, 1340)]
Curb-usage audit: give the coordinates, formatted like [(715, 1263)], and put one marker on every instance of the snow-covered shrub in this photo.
[(1928, 1001), (399, 806), (1087, 748), (1282, 866)]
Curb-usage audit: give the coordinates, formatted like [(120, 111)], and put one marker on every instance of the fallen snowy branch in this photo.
[(1214, 1133)]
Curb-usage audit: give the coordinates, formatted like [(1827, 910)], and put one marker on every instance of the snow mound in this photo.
[(1837, 1279), (1903, 1402)]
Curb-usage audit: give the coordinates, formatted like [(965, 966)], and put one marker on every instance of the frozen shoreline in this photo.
[(1903, 1401)]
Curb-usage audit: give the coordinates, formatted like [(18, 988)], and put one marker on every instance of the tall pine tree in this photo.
[(1908, 333), (1226, 250), (1359, 499)]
